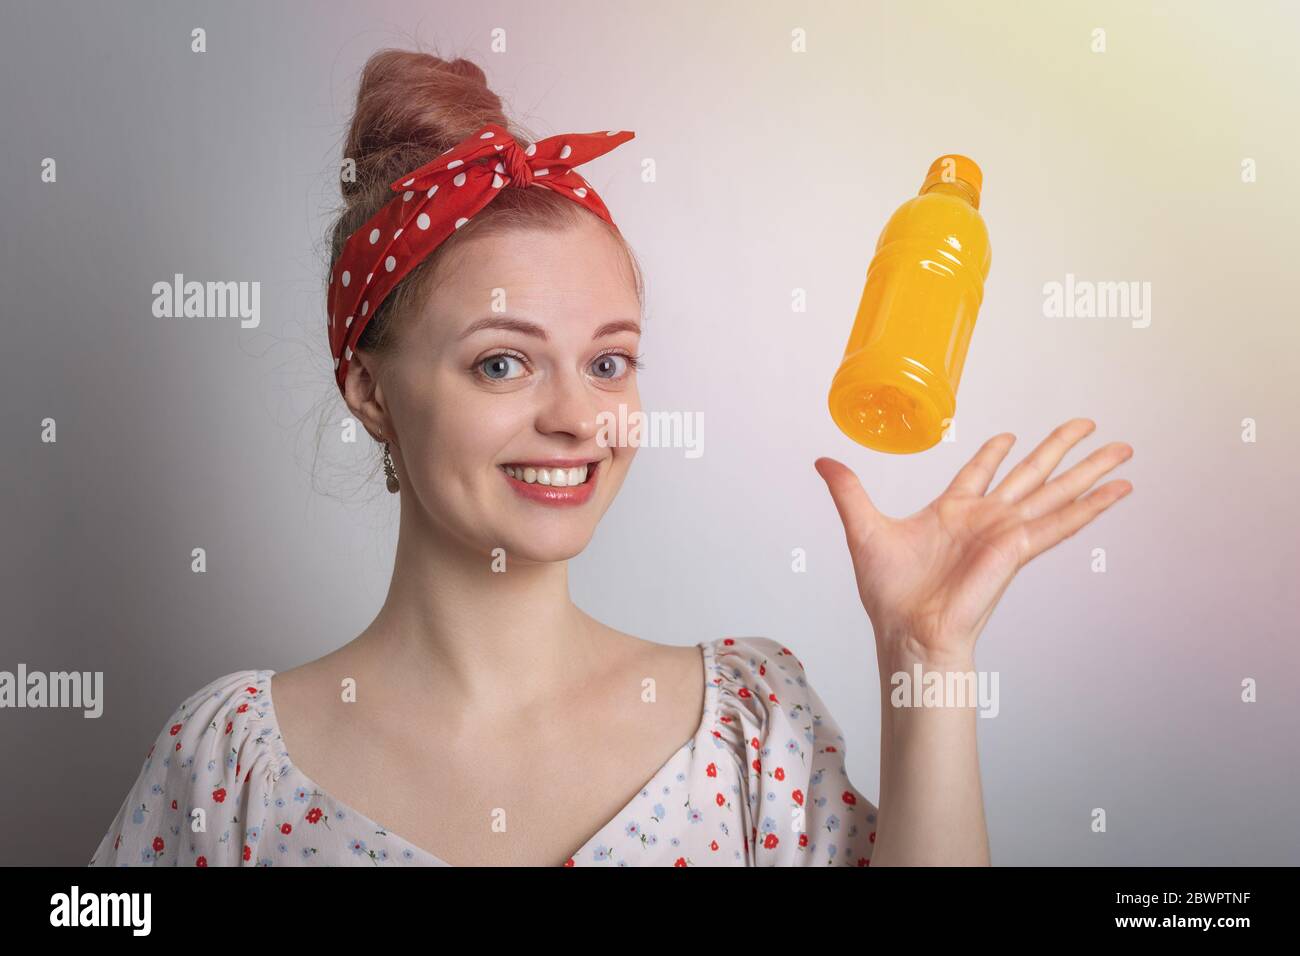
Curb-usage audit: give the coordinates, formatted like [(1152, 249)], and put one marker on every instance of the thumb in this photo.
[(859, 515)]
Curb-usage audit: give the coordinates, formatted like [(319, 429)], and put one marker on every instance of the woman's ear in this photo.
[(364, 396)]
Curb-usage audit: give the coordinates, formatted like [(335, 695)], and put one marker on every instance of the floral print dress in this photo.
[(761, 783)]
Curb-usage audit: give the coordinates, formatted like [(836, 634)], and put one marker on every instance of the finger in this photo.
[(1066, 487), (858, 514), (1053, 528), (975, 475), (1031, 472)]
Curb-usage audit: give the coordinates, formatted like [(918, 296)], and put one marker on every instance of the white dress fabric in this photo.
[(760, 783)]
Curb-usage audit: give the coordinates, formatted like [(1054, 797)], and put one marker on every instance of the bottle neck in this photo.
[(958, 187)]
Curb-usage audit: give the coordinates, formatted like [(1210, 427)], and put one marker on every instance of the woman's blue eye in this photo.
[(604, 362), (497, 367)]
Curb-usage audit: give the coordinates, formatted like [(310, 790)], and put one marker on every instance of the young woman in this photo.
[(484, 316)]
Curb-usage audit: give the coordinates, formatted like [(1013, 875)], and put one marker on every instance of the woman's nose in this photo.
[(569, 407)]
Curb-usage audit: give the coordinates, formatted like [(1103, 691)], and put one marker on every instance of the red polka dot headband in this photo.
[(435, 201)]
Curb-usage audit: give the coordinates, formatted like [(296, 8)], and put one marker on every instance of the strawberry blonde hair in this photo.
[(410, 108)]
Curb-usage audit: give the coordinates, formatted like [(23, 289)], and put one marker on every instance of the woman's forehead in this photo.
[(549, 311), (583, 260), (572, 289)]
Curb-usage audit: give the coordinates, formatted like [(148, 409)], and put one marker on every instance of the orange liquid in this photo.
[(896, 388)]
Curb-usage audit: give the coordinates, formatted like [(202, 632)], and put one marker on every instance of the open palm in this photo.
[(933, 578)]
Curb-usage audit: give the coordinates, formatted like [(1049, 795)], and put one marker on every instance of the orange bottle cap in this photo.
[(954, 166)]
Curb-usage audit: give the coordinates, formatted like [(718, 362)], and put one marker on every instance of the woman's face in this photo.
[(523, 344)]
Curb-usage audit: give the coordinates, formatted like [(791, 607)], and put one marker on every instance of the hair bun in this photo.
[(410, 107)]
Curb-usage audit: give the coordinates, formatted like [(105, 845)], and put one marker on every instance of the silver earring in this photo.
[(390, 471)]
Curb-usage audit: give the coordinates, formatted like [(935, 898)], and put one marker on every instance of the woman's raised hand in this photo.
[(930, 581)]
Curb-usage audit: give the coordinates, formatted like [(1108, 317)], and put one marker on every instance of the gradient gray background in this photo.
[(775, 172)]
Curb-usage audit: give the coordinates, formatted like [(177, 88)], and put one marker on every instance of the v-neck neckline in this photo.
[(287, 764)]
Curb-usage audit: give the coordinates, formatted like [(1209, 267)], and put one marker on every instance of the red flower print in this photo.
[(797, 797), (219, 795), (830, 749), (178, 745), (803, 839), (762, 670), (722, 801), (157, 844), (173, 804), (230, 724), (569, 862), (286, 828), (744, 692), (241, 708), (711, 770), (772, 698), (718, 735), (758, 765), (248, 852), (753, 742), (849, 798), (176, 729), (728, 641), (780, 773), (314, 815), (872, 836), (252, 690), (714, 846), (681, 861), (201, 861), (863, 861), (770, 841)]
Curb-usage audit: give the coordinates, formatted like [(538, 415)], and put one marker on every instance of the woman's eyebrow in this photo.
[(524, 327)]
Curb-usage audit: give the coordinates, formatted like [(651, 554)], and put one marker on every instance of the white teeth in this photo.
[(555, 477)]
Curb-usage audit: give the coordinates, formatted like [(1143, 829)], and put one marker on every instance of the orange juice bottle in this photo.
[(896, 389)]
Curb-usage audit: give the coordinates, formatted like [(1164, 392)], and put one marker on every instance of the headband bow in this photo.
[(435, 201)]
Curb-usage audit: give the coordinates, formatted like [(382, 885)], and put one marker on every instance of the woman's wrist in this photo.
[(900, 649)]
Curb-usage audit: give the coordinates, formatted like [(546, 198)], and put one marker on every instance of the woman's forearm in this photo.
[(931, 809)]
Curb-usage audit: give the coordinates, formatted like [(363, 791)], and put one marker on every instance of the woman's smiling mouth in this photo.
[(554, 482)]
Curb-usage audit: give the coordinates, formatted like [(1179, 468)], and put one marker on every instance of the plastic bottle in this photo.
[(896, 388)]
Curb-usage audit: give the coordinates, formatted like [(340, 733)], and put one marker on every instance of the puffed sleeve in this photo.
[(802, 808), (210, 756)]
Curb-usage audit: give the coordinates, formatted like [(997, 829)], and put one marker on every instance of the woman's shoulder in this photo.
[(761, 685), (790, 754), (225, 710), (203, 765), (230, 688), (757, 670)]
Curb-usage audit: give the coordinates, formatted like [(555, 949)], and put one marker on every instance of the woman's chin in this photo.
[(543, 547)]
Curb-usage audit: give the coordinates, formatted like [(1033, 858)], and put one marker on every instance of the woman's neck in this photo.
[(475, 630)]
